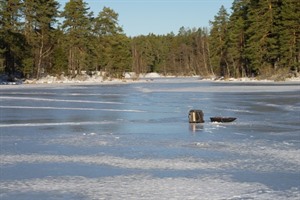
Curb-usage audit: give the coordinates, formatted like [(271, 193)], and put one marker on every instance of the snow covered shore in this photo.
[(246, 79), (128, 78)]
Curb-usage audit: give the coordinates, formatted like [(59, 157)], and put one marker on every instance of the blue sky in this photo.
[(141, 17)]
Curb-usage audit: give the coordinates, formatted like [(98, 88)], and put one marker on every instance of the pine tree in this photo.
[(217, 42), (40, 16), (77, 29), (110, 43), (12, 42), (60, 55), (120, 55), (261, 43), (289, 35), (106, 23), (143, 53), (236, 38), (185, 52), (201, 60)]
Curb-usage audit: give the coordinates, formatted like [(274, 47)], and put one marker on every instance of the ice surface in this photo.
[(133, 141)]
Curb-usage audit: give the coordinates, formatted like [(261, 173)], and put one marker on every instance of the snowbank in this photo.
[(130, 75), (63, 79), (247, 79), (133, 75), (294, 79), (152, 75), (82, 79), (127, 77)]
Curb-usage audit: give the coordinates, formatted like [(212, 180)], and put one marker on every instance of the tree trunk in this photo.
[(71, 62), (204, 56), (209, 60), (39, 64)]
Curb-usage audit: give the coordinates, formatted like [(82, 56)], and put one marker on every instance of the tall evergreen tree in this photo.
[(60, 54), (77, 29), (200, 54), (40, 16), (106, 23), (111, 46), (12, 42), (120, 55), (261, 50), (289, 35), (217, 42), (236, 38), (143, 53)]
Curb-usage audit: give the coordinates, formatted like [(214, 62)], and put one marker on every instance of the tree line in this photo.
[(258, 37)]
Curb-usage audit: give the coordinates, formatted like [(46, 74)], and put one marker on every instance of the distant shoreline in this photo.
[(45, 82)]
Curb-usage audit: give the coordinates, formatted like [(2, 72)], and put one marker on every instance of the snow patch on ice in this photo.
[(146, 164), (261, 157), (70, 108), (56, 124), (147, 187), (257, 159), (57, 100)]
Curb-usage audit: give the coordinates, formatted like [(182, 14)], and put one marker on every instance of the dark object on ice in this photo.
[(222, 119), (196, 116)]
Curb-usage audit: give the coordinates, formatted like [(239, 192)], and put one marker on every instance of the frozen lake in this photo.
[(133, 141)]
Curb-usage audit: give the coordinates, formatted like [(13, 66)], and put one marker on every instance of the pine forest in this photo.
[(256, 38)]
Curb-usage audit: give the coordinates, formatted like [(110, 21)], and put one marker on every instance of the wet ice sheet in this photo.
[(217, 87), (135, 142)]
